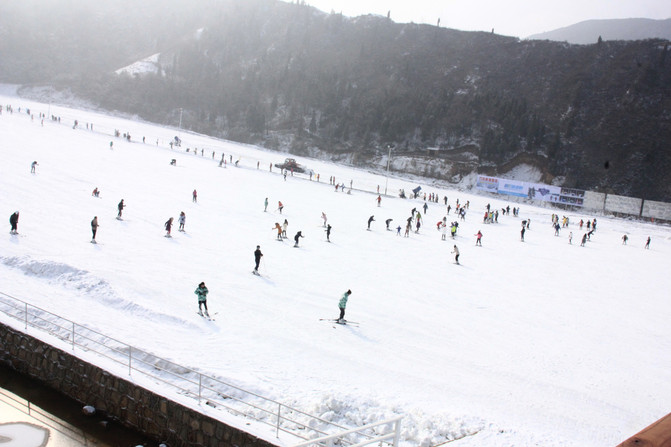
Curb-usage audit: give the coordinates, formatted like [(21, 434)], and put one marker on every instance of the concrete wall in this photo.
[(133, 406), (657, 210), (594, 201), (623, 204)]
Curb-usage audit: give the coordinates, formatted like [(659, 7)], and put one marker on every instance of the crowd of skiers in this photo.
[(414, 221)]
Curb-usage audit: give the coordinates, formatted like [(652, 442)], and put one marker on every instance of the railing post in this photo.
[(397, 432), (277, 428), (73, 335), (130, 359), (200, 387), (25, 317)]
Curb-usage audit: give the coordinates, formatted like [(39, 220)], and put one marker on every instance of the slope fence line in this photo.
[(188, 382)]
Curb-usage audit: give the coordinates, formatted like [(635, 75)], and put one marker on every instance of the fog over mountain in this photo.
[(589, 31), (292, 78)]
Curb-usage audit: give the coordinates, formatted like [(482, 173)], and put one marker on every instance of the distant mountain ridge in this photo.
[(589, 31), (289, 77)]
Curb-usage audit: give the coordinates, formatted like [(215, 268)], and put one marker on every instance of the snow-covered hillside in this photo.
[(539, 342)]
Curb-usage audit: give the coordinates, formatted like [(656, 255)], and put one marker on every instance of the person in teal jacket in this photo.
[(342, 304), (202, 292)]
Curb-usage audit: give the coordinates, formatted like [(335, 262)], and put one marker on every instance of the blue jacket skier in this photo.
[(342, 304), (202, 292)]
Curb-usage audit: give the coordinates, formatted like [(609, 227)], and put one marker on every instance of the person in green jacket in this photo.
[(342, 304), (202, 292)]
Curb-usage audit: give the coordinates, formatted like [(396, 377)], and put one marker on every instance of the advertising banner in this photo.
[(570, 196), (533, 191), (489, 184), (513, 188), (544, 193)]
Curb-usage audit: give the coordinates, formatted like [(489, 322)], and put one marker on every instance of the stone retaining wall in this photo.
[(131, 405)]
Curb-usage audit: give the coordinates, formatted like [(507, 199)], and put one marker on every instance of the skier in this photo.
[(14, 222), (96, 193), (94, 228), (168, 227), (370, 219), (426, 207), (298, 236), (257, 259), (32, 167), (387, 222), (279, 231), (478, 240), (324, 218), (456, 254), (379, 200), (570, 237), (342, 304), (265, 205), (279, 207), (647, 243), (202, 292), (328, 233), (584, 239), (120, 207), (443, 231), (284, 228), (194, 196), (522, 233), (398, 230), (182, 221), (624, 239)]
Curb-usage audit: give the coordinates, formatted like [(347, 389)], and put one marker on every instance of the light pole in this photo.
[(386, 181), (180, 123)]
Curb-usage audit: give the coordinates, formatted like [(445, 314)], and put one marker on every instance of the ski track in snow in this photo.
[(83, 282), (522, 344)]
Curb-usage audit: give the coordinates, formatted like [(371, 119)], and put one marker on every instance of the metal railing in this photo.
[(186, 381), (330, 439)]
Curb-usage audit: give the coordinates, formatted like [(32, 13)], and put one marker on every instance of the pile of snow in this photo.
[(525, 343), (143, 66)]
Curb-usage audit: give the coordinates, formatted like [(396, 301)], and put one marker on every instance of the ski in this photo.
[(207, 316), (343, 322)]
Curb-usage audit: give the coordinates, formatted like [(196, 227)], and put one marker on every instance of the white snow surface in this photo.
[(526, 173), (147, 65), (539, 342)]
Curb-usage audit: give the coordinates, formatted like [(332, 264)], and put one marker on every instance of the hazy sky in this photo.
[(509, 17)]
